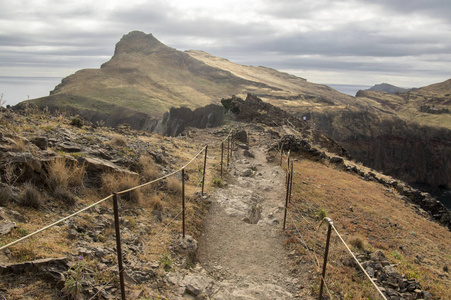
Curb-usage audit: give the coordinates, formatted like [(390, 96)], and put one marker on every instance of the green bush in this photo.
[(76, 122)]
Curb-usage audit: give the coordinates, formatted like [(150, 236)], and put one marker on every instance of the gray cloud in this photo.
[(404, 37)]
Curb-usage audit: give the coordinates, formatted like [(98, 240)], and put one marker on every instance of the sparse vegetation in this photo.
[(75, 278), (149, 171), (77, 122), (217, 182), (30, 197), (63, 174), (321, 213), (118, 140), (174, 185), (117, 182)]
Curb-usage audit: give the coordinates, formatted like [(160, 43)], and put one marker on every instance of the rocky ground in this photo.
[(238, 252), (241, 253)]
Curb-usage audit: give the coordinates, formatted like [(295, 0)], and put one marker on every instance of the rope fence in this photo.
[(115, 197), (227, 143), (331, 227)]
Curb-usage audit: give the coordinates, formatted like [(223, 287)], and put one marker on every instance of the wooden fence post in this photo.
[(326, 253), (286, 202), (222, 156), (205, 164), (183, 202), (118, 244), (291, 182)]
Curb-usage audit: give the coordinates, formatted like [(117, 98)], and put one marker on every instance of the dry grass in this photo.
[(153, 201), (149, 170), (20, 145), (174, 185), (62, 174), (118, 140), (378, 220), (116, 182), (64, 195), (31, 197)]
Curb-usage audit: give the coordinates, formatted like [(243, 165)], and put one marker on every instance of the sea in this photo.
[(17, 89), (350, 89)]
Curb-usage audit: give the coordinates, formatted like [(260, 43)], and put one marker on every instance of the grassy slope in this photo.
[(300, 92), (407, 105), (376, 215)]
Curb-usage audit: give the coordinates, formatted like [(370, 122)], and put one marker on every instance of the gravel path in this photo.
[(242, 244)]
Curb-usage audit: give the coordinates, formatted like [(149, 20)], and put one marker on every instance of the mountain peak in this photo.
[(138, 41)]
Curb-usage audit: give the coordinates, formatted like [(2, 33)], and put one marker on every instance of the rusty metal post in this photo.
[(205, 164), (281, 154), (291, 182), (286, 203), (118, 244), (326, 253), (183, 202), (228, 151), (222, 156), (231, 148)]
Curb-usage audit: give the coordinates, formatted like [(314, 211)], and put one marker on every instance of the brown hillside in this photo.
[(429, 105)]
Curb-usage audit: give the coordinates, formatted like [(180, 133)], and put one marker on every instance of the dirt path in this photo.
[(242, 245)]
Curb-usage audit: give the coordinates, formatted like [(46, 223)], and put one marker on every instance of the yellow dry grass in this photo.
[(379, 218), (65, 174)]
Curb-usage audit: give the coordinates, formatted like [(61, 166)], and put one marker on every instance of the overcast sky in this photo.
[(362, 42)]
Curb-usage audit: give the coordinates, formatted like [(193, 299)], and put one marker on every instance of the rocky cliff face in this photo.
[(417, 154), (177, 120)]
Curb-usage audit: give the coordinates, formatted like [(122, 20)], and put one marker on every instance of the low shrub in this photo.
[(118, 140), (65, 196), (116, 182), (30, 197), (357, 242), (174, 186), (148, 170), (77, 122), (63, 174), (6, 195)]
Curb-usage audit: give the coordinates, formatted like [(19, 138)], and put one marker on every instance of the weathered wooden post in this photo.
[(291, 182), (205, 164), (326, 253), (118, 244), (183, 202), (286, 202), (222, 156), (228, 150)]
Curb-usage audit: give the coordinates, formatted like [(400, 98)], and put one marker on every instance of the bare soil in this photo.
[(242, 245)]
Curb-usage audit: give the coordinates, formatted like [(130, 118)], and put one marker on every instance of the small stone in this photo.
[(247, 173), (7, 227), (247, 153)]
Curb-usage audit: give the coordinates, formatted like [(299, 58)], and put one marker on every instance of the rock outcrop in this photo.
[(419, 155), (177, 120), (426, 205), (254, 110)]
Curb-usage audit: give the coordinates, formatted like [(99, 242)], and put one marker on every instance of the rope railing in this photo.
[(114, 196), (103, 200), (357, 261), (289, 187), (163, 177), (55, 223)]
